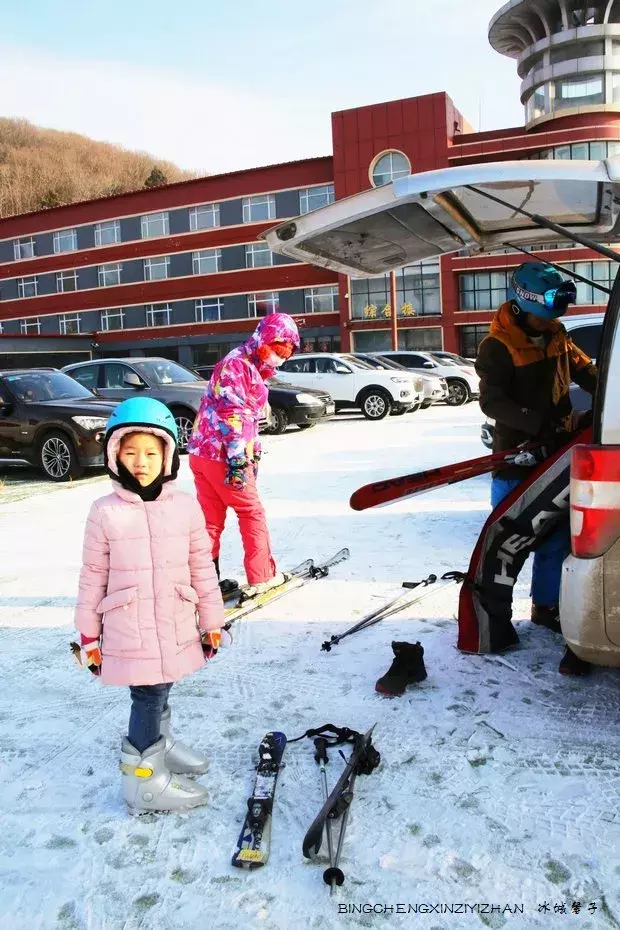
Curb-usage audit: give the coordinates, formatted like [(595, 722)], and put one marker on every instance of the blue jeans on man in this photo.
[(548, 559)]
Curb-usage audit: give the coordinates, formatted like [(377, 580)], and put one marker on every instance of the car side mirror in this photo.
[(429, 365), (343, 371), (133, 380)]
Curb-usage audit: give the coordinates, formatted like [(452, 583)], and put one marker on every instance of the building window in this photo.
[(579, 91), (262, 304), (321, 299), (108, 233), (257, 209), (66, 281), (110, 274), (417, 293), (112, 319), (388, 167), (483, 290), (603, 272), (158, 315), (27, 287), (65, 240), (154, 224), (312, 198), (156, 269), (209, 261), (258, 255), (420, 339), (205, 217), (69, 324), (23, 248), (470, 338), (31, 327), (209, 310)]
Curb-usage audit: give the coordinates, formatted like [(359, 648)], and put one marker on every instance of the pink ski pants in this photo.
[(215, 497)]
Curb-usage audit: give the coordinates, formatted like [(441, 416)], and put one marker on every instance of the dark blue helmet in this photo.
[(539, 289)]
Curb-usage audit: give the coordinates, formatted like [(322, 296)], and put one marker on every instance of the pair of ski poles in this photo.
[(397, 604)]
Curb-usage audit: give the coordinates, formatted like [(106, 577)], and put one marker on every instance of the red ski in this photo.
[(384, 492)]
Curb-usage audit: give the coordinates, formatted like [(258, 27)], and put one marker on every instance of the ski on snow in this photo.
[(363, 760), (299, 576), (384, 492), (253, 844)]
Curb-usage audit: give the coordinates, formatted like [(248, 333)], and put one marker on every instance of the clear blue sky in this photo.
[(223, 84)]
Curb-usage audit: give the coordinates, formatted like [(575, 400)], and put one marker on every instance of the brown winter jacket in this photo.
[(524, 388)]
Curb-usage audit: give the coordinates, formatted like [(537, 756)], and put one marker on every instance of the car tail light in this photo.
[(594, 499)]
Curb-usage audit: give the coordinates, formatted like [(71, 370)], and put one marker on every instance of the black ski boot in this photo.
[(406, 669), (573, 665), (228, 586), (547, 616)]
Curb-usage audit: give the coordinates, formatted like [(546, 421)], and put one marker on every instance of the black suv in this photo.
[(49, 420)]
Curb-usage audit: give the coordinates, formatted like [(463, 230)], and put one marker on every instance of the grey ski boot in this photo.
[(180, 758), (149, 786)]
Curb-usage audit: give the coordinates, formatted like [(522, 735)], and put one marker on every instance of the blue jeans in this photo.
[(148, 702), (548, 559)]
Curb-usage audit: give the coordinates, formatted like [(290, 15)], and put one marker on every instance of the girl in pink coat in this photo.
[(149, 608), (225, 449)]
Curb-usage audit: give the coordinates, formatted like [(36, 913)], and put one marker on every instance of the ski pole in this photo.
[(327, 645), (334, 875), (320, 756), (396, 605)]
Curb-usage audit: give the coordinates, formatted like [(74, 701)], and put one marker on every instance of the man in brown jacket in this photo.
[(526, 365)]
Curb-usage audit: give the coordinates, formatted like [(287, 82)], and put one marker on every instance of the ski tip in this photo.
[(355, 503)]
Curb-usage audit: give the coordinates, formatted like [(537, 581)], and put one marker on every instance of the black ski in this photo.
[(254, 840), (364, 758)]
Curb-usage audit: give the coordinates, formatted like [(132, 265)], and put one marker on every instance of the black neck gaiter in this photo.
[(150, 493)]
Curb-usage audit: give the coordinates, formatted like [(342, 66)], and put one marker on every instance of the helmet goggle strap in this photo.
[(556, 299)]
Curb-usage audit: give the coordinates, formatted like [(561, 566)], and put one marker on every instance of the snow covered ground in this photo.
[(499, 783)]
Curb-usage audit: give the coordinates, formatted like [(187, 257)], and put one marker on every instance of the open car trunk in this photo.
[(449, 210)]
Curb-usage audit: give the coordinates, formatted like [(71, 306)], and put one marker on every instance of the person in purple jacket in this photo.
[(225, 450)]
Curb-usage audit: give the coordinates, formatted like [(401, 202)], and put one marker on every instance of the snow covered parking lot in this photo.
[(499, 782)]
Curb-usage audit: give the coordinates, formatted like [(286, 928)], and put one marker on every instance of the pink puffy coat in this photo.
[(147, 585)]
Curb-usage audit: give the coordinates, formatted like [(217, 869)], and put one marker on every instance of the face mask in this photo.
[(274, 361)]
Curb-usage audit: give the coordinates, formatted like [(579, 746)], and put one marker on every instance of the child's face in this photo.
[(142, 454)]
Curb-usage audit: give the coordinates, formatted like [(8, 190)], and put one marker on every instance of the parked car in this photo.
[(586, 332), (49, 420), (453, 357), (435, 388), (481, 207), (463, 383), (118, 378), (376, 393), (355, 359), (288, 404)]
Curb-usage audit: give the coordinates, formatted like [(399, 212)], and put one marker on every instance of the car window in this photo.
[(588, 338), (301, 365), (88, 376), (35, 387), (115, 375), (164, 371), (358, 362)]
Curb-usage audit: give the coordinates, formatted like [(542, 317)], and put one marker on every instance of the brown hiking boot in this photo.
[(547, 616), (573, 665)]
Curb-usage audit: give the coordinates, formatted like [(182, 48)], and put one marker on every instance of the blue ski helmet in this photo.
[(141, 415), (539, 289)]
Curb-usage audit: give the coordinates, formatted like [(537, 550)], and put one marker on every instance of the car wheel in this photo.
[(376, 405), (306, 425), (278, 421), (426, 404), (184, 420), (57, 457), (401, 411), (458, 393)]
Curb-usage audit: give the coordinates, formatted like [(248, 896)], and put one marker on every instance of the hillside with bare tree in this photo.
[(42, 168)]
